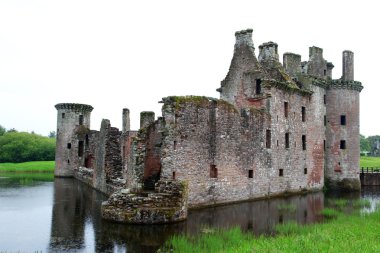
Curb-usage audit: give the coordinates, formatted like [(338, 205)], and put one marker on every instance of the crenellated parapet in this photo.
[(74, 107), (348, 85)]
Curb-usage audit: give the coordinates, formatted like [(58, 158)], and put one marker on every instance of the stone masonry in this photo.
[(276, 129)]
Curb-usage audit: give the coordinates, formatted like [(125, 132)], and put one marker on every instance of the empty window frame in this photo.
[(303, 142), (258, 86), (68, 145), (250, 173), (268, 137), (303, 112), (63, 115), (173, 176), (213, 171), (324, 120), (281, 172), (324, 99), (80, 119), (343, 120), (342, 144), (286, 109), (286, 140), (305, 171)]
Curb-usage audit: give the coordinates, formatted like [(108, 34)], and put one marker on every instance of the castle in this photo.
[(276, 129)]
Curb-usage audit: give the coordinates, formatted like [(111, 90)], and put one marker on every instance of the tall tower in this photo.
[(73, 124), (342, 129)]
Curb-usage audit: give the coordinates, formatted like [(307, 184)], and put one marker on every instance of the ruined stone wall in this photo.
[(214, 147), (126, 149), (342, 163), (168, 203), (107, 173)]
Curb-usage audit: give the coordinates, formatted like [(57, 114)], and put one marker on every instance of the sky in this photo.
[(130, 54)]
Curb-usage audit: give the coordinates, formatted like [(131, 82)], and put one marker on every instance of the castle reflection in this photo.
[(77, 224)]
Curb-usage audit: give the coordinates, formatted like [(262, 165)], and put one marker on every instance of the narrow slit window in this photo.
[(343, 120), (80, 148), (324, 145), (250, 173), (80, 119), (286, 140), (68, 161), (342, 144), (213, 171), (258, 86), (303, 142), (286, 109), (63, 115), (268, 139), (87, 140), (324, 120), (173, 175), (305, 171), (324, 72), (324, 99), (281, 172), (303, 114), (175, 145), (68, 145)]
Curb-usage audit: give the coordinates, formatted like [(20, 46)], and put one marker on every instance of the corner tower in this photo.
[(342, 129), (73, 124)]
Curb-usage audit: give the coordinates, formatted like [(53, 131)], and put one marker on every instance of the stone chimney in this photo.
[(348, 66), (126, 120), (292, 63), (268, 51), (244, 37)]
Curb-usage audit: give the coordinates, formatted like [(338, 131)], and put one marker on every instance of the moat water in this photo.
[(39, 213)]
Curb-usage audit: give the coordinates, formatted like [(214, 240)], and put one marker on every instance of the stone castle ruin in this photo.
[(276, 129)]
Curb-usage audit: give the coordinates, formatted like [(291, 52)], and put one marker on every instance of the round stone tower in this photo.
[(342, 129), (73, 124)]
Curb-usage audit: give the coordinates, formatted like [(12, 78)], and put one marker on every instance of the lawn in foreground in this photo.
[(37, 166), (354, 233)]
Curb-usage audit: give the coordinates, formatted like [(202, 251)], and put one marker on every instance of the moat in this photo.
[(64, 215)]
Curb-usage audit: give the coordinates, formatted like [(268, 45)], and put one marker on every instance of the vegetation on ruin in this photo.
[(36, 166), (22, 147), (357, 232), (368, 161)]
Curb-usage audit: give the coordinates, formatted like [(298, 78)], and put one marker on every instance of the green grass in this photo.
[(38, 166), (346, 233), (330, 213), (367, 161)]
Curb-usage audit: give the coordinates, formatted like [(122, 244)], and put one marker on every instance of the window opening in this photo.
[(250, 173), (80, 148), (303, 114), (281, 172), (286, 140), (343, 120), (80, 119), (258, 86), (213, 171), (342, 144), (68, 145), (268, 138), (303, 142), (286, 109)]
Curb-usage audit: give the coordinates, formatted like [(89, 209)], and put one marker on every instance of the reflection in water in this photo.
[(65, 216), (75, 204)]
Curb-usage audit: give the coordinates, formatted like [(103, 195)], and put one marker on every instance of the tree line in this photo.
[(370, 144), (23, 147)]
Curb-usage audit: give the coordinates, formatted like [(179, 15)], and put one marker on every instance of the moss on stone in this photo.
[(81, 131)]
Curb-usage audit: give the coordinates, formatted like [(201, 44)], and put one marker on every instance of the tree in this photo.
[(364, 144), (2, 130), (52, 134), (22, 147)]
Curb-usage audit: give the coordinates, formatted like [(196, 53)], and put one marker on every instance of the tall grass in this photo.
[(346, 233), (40, 166)]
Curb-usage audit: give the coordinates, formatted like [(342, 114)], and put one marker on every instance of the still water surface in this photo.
[(64, 215)]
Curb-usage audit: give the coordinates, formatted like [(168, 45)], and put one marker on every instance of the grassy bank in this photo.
[(366, 161), (354, 233), (39, 166)]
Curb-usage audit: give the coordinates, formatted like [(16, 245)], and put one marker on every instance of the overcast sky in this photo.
[(129, 54)]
